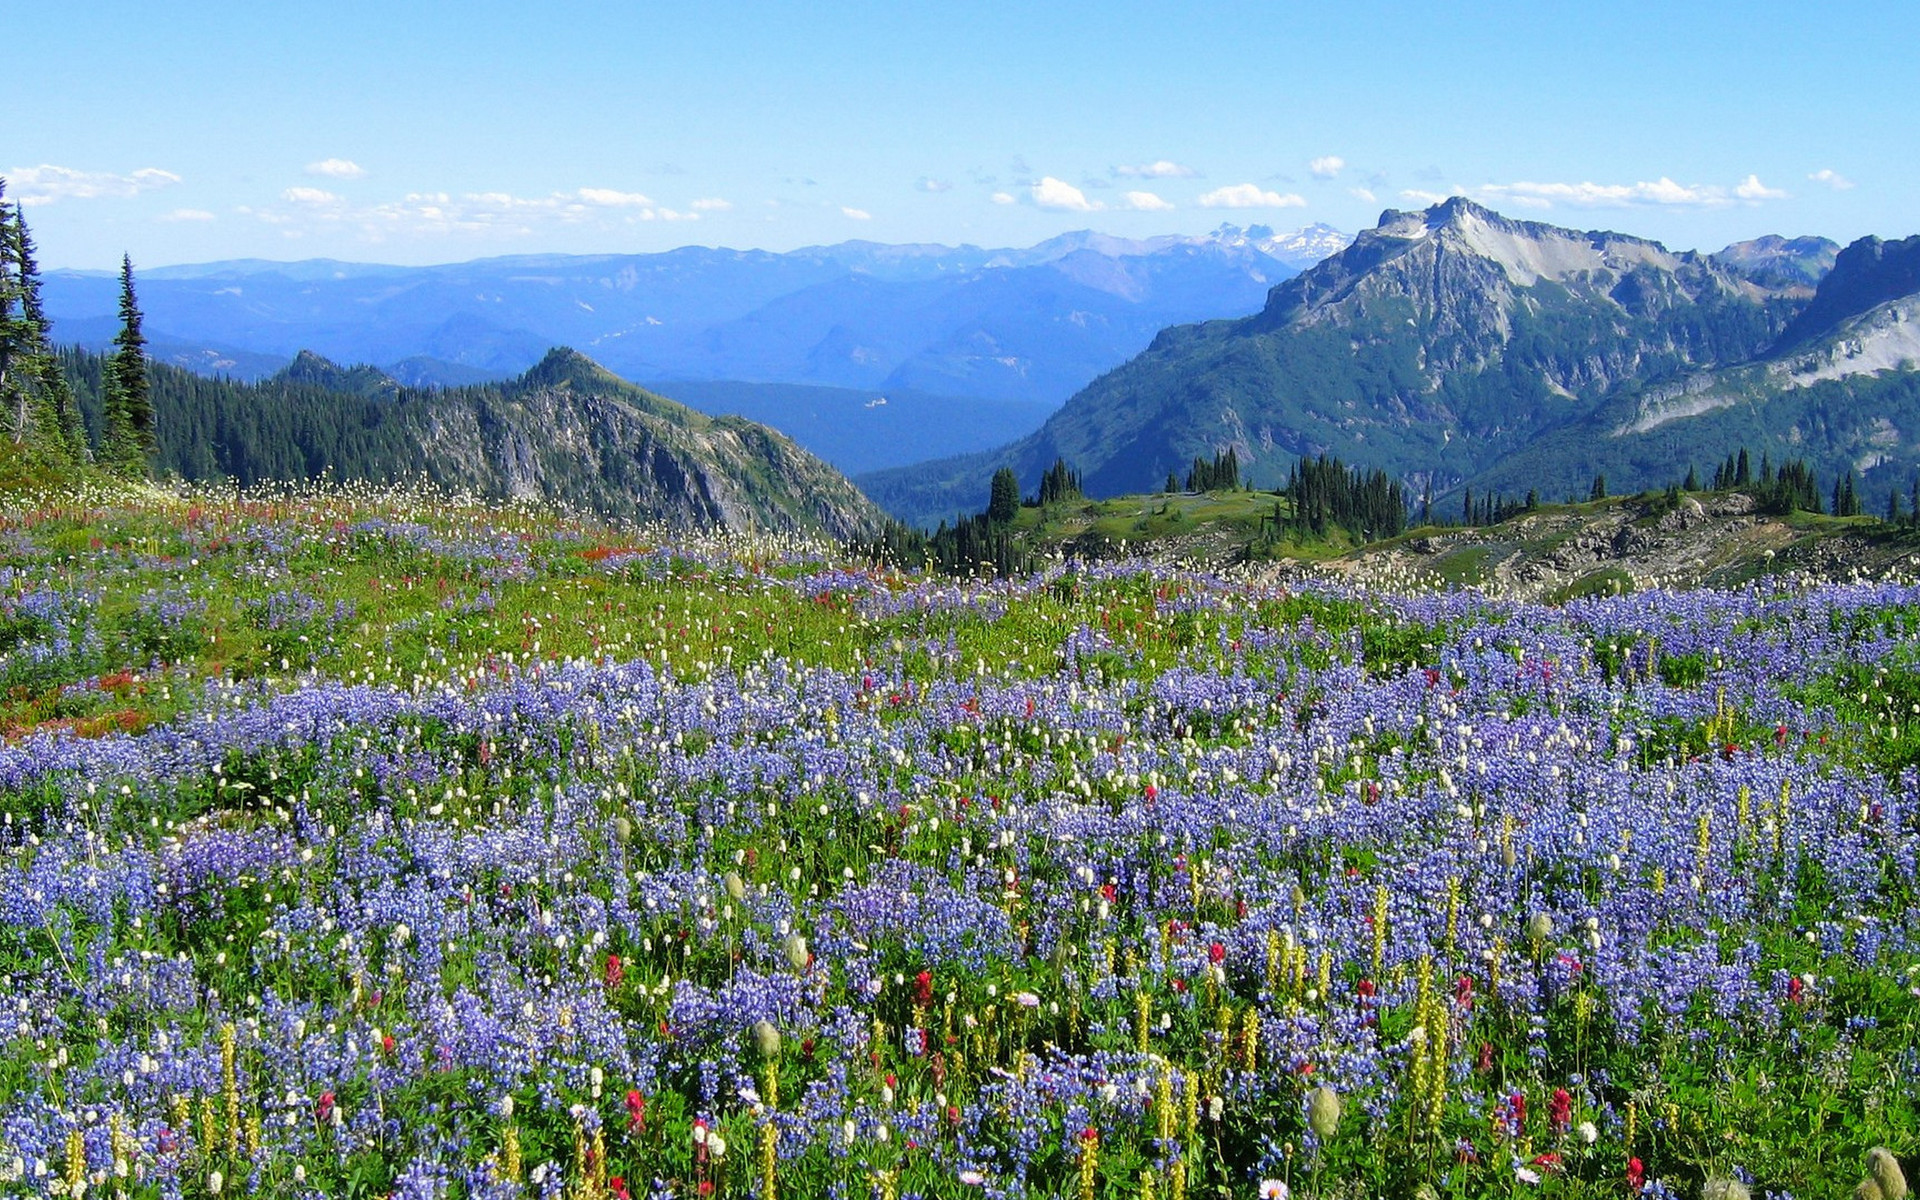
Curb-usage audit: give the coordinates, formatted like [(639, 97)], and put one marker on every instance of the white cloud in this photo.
[(1420, 196), (471, 213), (1057, 195), (1002, 198), (494, 215), (1660, 193), (45, 183), (1364, 195), (929, 184), (609, 198), (856, 214), (1156, 170), (1144, 202), (1327, 166), (187, 214), (1832, 178), (337, 168), (1250, 195)]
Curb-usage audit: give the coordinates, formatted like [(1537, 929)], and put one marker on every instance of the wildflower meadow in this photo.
[(363, 844)]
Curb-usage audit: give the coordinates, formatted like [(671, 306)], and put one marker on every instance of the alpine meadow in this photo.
[(773, 602)]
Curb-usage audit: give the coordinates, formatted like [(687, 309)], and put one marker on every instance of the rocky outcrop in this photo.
[(569, 431)]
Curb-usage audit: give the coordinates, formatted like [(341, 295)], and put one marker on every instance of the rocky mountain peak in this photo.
[(316, 370), (1868, 273), (564, 366), (1781, 262), (1527, 251)]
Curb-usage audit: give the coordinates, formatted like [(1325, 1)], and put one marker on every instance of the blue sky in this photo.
[(418, 132)]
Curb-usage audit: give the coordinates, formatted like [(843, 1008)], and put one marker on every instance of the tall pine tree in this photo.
[(35, 400), (53, 412), (17, 341), (128, 435), (1003, 497)]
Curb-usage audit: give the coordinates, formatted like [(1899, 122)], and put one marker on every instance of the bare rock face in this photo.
[(570, 432)]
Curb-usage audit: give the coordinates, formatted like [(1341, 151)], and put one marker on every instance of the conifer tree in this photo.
[(129, 406), (54, 412), (16, 333), (1003, 497), (34, 397)]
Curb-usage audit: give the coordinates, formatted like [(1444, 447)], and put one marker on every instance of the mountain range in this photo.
[(1020, 328), (1458, 348), (1453, 348)]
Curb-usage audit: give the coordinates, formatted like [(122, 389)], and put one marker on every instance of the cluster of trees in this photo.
[(1060, 483), (1490, 509), (1907, 515), (984, 541), (1791, 487), (1220, 475), (36, 395), (1324, 492), (1736, 472), (276, 430), (970, 546)]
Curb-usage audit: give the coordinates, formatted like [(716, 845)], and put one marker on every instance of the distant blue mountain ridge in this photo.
[(1028, 325), (970, 346)]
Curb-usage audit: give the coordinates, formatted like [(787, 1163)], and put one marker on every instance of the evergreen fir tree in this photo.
[(34, 397), (129, 437), (14, 331), (55, 412), (1003, 500), (1599, 489), (1693, 480)]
